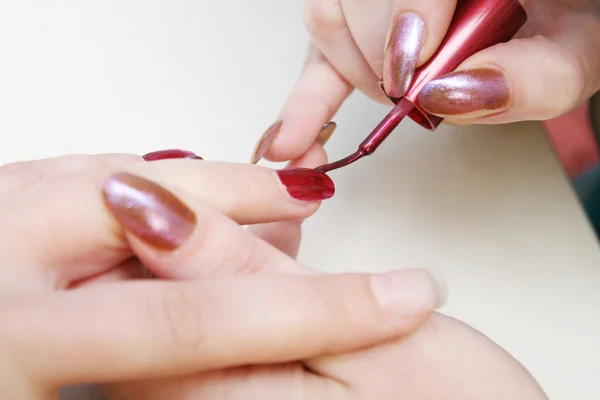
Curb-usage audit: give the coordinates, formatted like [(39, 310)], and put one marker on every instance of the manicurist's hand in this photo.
[(83, 234), (548, 69)]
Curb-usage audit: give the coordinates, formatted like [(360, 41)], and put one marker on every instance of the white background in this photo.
[(488, 208)]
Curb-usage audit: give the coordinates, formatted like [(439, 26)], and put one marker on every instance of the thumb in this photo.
[(525, 79)]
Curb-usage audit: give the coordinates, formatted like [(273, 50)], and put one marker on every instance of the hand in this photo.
[(79, 232), (444, 359), (548, 69)]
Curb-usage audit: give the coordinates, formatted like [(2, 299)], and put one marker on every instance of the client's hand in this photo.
[(444, 359), (80, 233)]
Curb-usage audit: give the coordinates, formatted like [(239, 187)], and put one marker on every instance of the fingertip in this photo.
[(409, 292), (299, 130), (315, 99)]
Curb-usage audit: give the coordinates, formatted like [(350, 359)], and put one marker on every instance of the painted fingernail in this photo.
[(306, 184), (149, 211), (265, 142), (402, 53), (409, 292), (326, 132), (473, 93), (170, 154)]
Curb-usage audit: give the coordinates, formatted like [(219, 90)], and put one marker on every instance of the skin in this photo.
[(423, 366), (88, 270), (347, 51), (84, 235), (443, 359)]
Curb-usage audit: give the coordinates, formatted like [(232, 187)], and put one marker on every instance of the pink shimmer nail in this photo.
[(265, 142), (482, 91), (148, 211), (402, 53)]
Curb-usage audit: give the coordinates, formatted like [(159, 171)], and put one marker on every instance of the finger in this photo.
[(177, 235), (264, 382), (315, 99), (327, 25), (146, 329), (525, 79), (18, 176), (21, 175), (368, 23), (246, 193), (394, 50), (415, 33), (402, 369), (286, 235), (89, 239)]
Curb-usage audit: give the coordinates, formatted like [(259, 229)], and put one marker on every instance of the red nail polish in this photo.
[(170, 154), (307, 184)]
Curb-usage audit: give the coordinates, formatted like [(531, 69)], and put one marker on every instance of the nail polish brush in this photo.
[(476, 25)]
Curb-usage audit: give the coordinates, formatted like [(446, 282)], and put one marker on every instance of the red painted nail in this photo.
[(307, 184), (171, 154)]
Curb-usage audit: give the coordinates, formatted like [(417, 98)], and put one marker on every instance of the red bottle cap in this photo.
[(477, 25)]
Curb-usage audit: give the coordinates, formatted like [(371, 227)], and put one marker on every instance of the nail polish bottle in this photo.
[(476, 25)]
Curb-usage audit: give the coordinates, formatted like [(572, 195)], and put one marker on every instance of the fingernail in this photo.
[(148, 211), (265, 142), (409, 291), (382, 88), (402, 53), (306, 184), (326, 132), (170, 154), (473, 92)]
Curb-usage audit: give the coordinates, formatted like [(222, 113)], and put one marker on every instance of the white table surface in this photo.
[(489, 208)]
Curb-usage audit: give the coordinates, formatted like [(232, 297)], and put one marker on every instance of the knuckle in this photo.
[(323, 17), (570, 72), (325, 103), (117, 159), (247, 258), (14, 167), (15, 177), (254, 191), (347, 301), (180, 317), (217, 256), (25, 169)]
